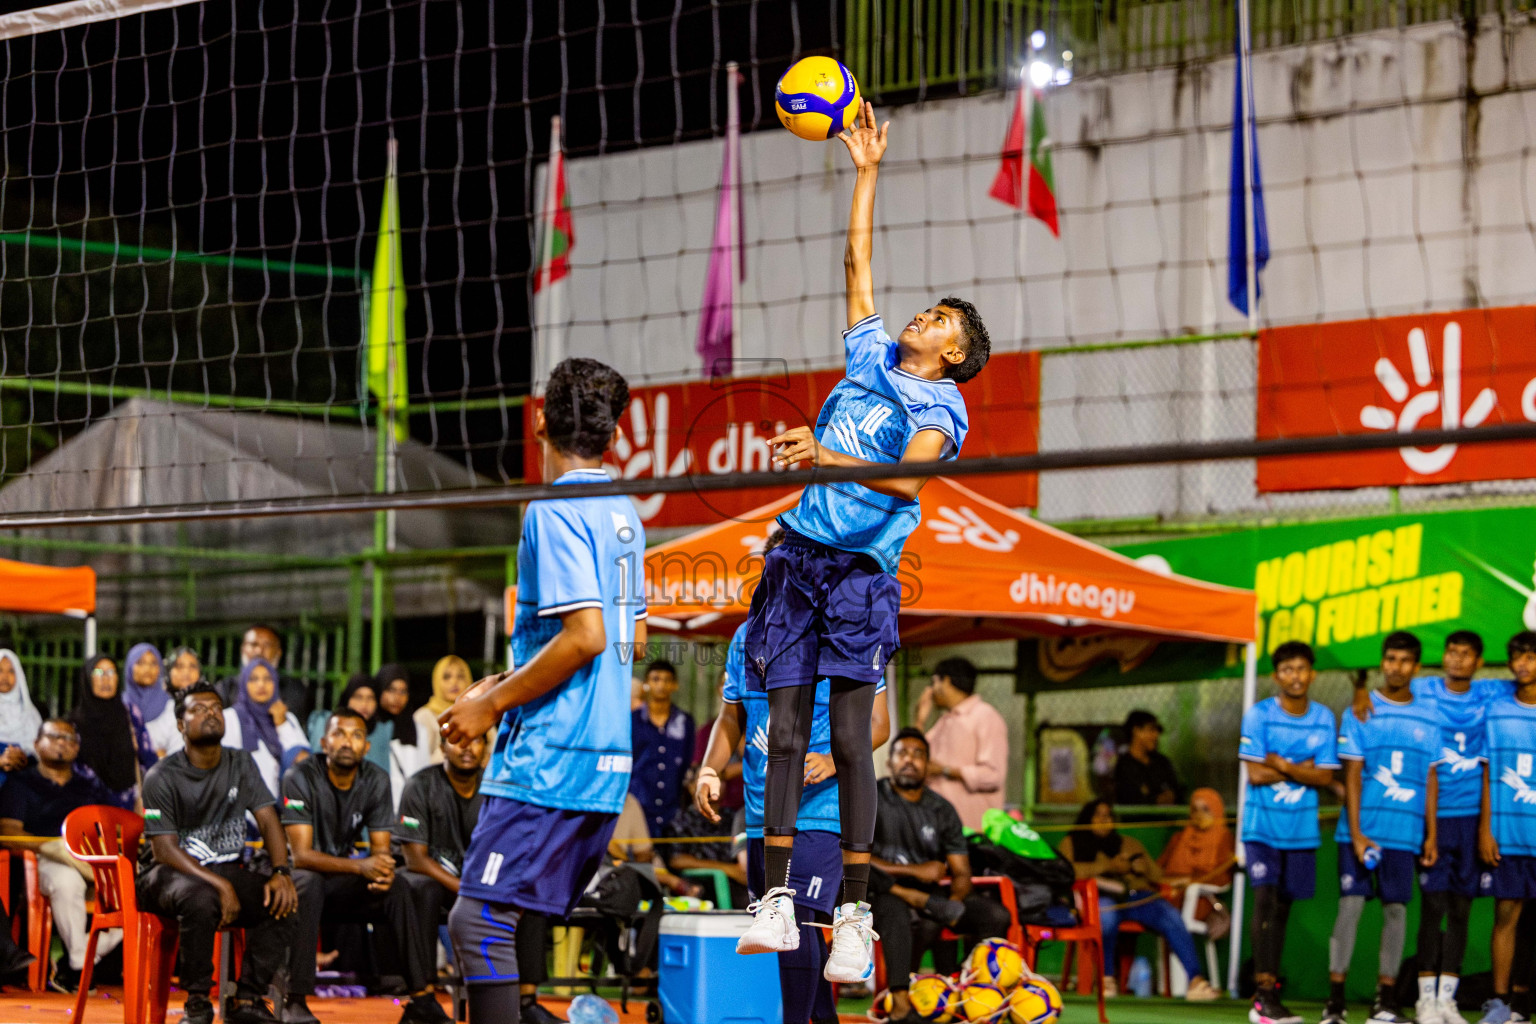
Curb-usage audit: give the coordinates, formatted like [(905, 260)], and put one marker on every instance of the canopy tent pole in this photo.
[(1250, 696), (90, 635)]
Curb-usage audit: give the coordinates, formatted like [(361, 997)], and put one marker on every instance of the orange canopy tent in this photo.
[(47, 589), (972, 570)]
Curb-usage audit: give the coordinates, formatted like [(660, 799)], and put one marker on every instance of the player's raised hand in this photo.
[(865, 142), (706, 794), (798, 444)]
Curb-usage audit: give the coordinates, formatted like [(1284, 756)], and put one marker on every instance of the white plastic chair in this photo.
[(1192, 896)]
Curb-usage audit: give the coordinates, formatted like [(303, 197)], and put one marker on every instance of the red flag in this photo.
[(559, 232), (1009, 185)]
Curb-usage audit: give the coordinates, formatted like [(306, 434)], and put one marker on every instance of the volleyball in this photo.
[(979, 1002), (997, 962), (817, 98), (1035, 1001), (933, 998)]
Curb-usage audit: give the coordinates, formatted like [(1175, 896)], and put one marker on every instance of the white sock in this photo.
[(1448, 986), (1426, 986)]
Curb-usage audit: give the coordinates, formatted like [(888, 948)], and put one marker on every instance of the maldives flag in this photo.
[(1009, 185), (557, 234)]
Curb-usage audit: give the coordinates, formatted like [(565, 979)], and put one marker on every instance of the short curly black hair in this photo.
[(978, 343), (582, 404), (197, 689)]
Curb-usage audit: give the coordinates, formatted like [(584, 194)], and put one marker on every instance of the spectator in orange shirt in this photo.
[(969, 743), (1202, 851)]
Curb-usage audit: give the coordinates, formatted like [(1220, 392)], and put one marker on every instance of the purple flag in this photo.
[(716, 318)]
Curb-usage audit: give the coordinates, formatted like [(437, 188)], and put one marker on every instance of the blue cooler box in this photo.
[(703, 980)]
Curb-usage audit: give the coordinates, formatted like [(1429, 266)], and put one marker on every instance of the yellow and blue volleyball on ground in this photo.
[(933, 998), (817, 98), (997, 962), (1034, 1001), (978, 1003)]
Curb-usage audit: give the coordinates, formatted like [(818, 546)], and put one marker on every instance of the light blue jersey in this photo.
[(1462, 739), (872, 414), (1510, 733), (818, 803), (570, 748), (1284, 815), (1399, 745)]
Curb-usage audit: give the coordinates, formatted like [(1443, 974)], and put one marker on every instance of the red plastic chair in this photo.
[(1085, 936), (39, 916), (1127, 957), (107, 838)]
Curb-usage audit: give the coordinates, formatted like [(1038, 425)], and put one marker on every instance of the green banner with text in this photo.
[(1343, 585)]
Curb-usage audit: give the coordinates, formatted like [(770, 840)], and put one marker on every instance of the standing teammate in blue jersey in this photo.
[(1507, 830), (1449, 887), (1389, 817), (557, 777), (1288, 746), (817, 870), (827, 603)]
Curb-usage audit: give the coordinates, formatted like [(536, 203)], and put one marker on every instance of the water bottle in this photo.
[(1372, 857), (589, 1009), (1140, 981)]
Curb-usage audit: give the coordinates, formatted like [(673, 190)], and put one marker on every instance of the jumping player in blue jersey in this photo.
[(827, 603), (558, 774), (1507, 827), (1289, 749), (817, 870), (1389, 820)]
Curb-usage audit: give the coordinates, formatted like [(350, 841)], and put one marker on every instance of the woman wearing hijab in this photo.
[(450, 677), (145, 690), (1128, 891), (260, 723), (361, 695), (183, 669), (407, 755), (114, 744), (19, 718), (1203, 851)]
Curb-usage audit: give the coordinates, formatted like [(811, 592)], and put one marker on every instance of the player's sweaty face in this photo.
[(931, 331), (1399, 667), (1460, 661)]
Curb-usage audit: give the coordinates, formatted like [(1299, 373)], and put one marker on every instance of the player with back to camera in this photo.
[(828, 599), (560, 769)]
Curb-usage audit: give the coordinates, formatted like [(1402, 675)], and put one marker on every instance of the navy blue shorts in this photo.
[(1391, 882), (535, 858), (1457, 870), (815, 871), (1293, 871), (1514, 877), (818, 612)]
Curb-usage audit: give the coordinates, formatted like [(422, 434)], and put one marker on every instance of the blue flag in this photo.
[(1237, 235)]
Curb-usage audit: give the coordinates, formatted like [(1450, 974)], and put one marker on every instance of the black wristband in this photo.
[(283, 869)]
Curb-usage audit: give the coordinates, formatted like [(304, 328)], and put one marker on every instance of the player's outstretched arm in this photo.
[(582, 637), (866, 145)]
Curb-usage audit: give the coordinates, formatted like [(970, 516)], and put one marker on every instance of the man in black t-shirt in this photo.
[(195, 803), (331, 803), (918, 842), (1142, 774)]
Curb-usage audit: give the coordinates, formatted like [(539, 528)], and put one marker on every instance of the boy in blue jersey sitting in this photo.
[(1390, 790), (1507, 826), (1288, 748), (817, 870), (827, 603), (560, 769)]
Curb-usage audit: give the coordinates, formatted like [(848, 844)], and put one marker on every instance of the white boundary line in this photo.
[(77, 12)]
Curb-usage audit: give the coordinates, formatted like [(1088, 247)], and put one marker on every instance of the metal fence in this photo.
[(900, 47)]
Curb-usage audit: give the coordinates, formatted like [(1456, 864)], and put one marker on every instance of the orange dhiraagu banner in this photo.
[(723, 426), (1428, 371)]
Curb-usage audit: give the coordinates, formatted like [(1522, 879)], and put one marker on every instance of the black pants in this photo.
[(409, 909), (905, 935), (195, 905)]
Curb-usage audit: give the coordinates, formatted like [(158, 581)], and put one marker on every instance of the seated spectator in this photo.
[(1142, 774), (919, 842), (192, 868), (143, 689), (1127, 874), (663, 746), (262, 641), (182, 670), (407, 754), (114, 744), (1201, 852), (19, 717), (689, 823), (361, 695), (261, 725), (35, 802), (332, 802), (969, 742), (450, 678)]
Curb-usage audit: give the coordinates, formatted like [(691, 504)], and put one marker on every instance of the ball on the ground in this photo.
[(933, 998), (980, 1002), (1035, 1001), (817, 98), (997, 962)]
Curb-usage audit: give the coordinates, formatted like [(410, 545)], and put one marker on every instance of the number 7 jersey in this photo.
[(570, 747)]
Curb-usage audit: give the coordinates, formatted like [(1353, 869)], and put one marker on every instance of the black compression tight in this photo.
[(1443, 952), (1271, 911)]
